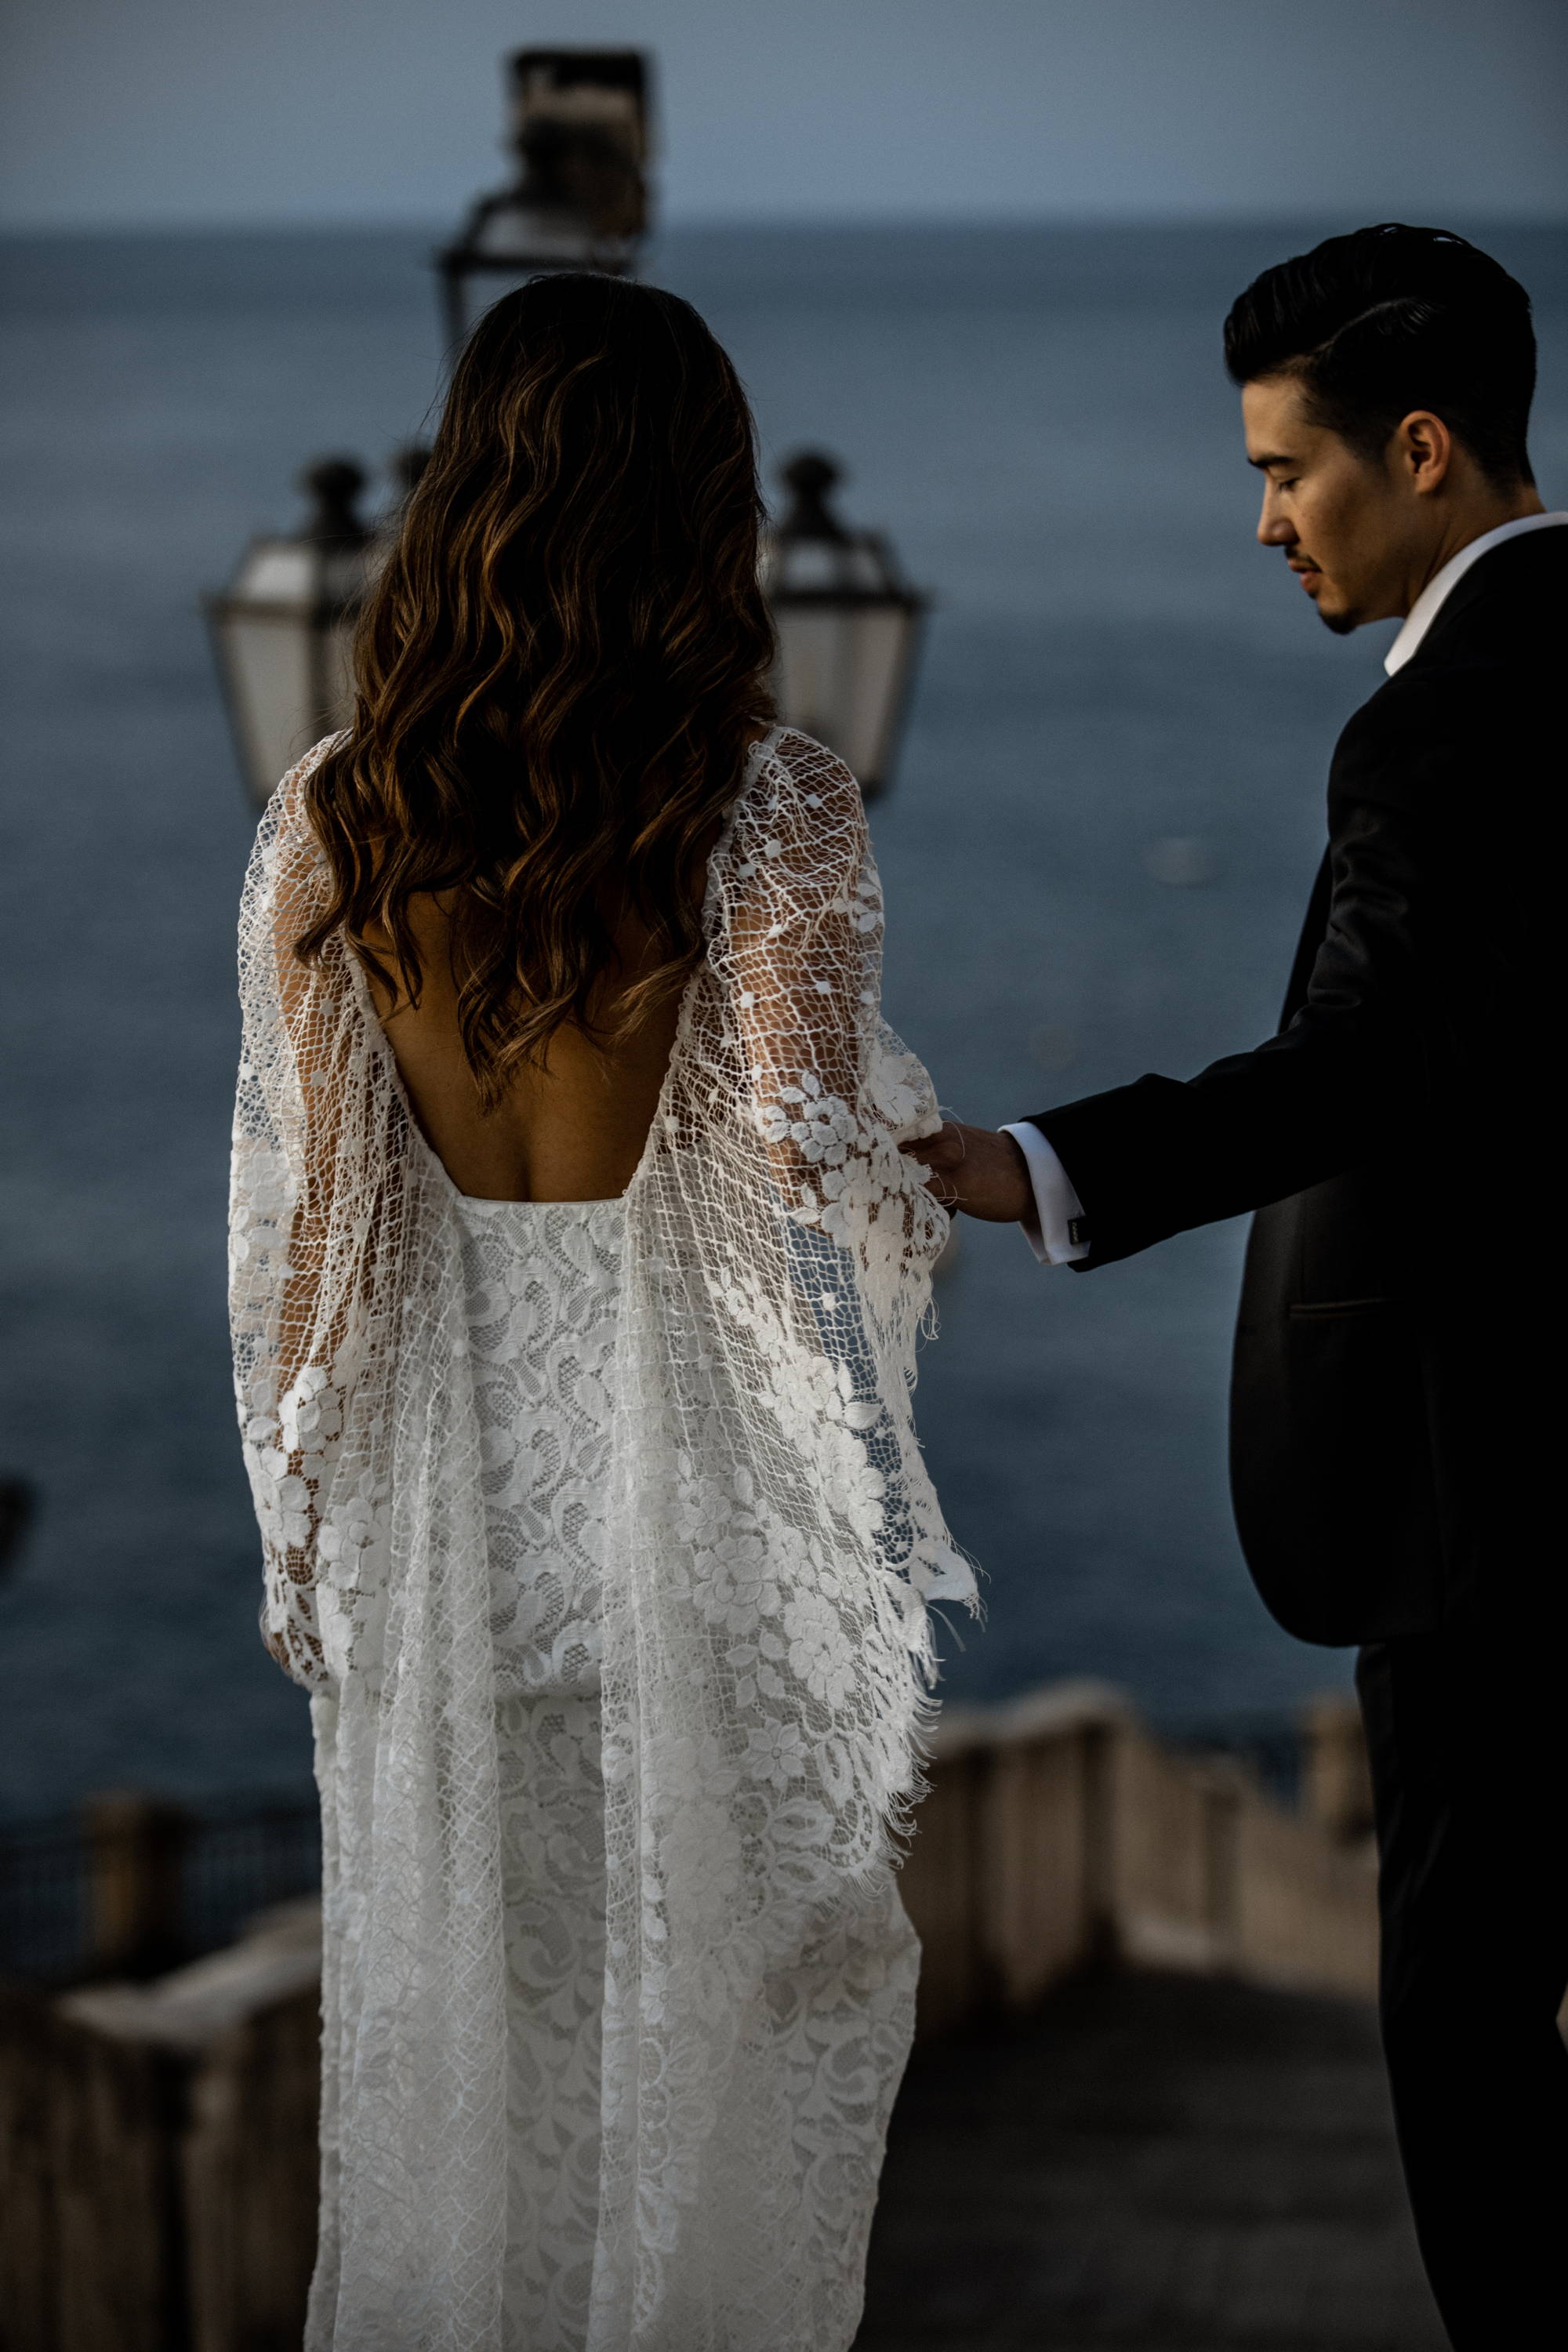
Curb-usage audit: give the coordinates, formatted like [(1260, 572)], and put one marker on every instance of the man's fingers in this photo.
[(942, 1156), (944, 1149), (975, 1169)]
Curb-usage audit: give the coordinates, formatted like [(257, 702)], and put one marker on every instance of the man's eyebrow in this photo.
[(1273, 457)]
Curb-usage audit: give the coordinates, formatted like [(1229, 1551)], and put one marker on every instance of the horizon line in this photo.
[(430, 225)]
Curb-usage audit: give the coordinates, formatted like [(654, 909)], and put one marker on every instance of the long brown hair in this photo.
[(557, 670)]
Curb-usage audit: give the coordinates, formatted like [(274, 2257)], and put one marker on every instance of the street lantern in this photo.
[(848, 626), (283, 629), (580, 131)]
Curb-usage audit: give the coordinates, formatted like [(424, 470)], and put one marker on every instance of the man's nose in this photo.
[(1274, 528)]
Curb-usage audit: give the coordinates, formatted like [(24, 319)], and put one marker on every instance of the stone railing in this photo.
[(157, 2140), (1058, 1833), (158, 2150)]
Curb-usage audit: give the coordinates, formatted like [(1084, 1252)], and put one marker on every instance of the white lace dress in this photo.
[(602, 1537), (541, 1298), (541, 1304)]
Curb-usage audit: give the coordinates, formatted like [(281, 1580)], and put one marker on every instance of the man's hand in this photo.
[(976, 1170)]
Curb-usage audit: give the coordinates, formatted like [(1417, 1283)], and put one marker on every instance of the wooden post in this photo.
[(136, 1851)]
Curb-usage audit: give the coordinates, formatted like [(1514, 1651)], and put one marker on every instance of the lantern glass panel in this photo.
[(277, 572), (843, 670), (285, 635), (283, 631), (269, 666)]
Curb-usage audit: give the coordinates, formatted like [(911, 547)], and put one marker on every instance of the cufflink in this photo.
[(1078, 1232)]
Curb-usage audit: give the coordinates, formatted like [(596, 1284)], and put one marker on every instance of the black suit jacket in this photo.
[(1395, 1404)]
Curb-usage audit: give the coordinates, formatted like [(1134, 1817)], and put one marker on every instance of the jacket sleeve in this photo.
[(1348, 1071)]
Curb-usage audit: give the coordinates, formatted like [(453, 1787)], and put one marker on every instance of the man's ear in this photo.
[(1423, 451)]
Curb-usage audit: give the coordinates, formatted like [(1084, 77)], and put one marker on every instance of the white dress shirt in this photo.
[(1050, 1231), (1424, 610)]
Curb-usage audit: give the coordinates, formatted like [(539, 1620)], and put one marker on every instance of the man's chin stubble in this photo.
[(1342, 624)]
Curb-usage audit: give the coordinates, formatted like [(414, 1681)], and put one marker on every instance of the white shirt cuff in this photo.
[(1055, 1203)]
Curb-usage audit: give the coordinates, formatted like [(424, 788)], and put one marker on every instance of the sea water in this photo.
[(1106, 821)]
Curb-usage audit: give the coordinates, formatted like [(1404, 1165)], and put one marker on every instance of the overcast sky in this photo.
[(161, 111)]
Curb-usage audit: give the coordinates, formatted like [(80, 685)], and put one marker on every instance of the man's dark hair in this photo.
[(1389, 320)]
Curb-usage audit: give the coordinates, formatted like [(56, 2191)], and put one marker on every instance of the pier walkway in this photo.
[(1157, 2163)]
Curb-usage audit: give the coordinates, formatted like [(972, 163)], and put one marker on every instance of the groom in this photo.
[(1398, 1392)]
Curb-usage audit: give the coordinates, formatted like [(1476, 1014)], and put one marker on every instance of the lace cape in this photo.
[(772, 1542)]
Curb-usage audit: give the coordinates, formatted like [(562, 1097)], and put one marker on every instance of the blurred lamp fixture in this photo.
[(580, 131), (406, 467), (848, 626), (283, 629), (405, 471)]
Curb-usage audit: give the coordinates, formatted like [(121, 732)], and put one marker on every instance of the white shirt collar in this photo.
[(1424, 610)]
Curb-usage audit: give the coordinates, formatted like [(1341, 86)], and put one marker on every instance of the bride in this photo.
[(576, 1280)]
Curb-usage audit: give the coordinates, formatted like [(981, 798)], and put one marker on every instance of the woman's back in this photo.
[(570, 1127)]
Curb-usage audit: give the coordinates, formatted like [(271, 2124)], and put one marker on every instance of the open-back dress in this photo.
[(601, 1536)]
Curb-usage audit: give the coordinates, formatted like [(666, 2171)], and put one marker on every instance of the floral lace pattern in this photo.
[(435, 1495), (541, 1293), (553, 1892), (542, 1300)]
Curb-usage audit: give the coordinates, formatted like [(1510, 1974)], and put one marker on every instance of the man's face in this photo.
[(1342, 521)]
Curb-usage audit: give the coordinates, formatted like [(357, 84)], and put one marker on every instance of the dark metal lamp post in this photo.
[(580, 129), (283, 629), (848, 626)]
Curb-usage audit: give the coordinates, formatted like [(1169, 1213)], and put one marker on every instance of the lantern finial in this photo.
[(811, 475), (333, 484)]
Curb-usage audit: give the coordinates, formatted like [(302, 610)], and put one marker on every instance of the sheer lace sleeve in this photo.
[(803, 938), (832, 1089), (293, 1295), (829, 1092), (362, 1445)]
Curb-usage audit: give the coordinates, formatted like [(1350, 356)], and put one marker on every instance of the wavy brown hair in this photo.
[(557, 671)]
